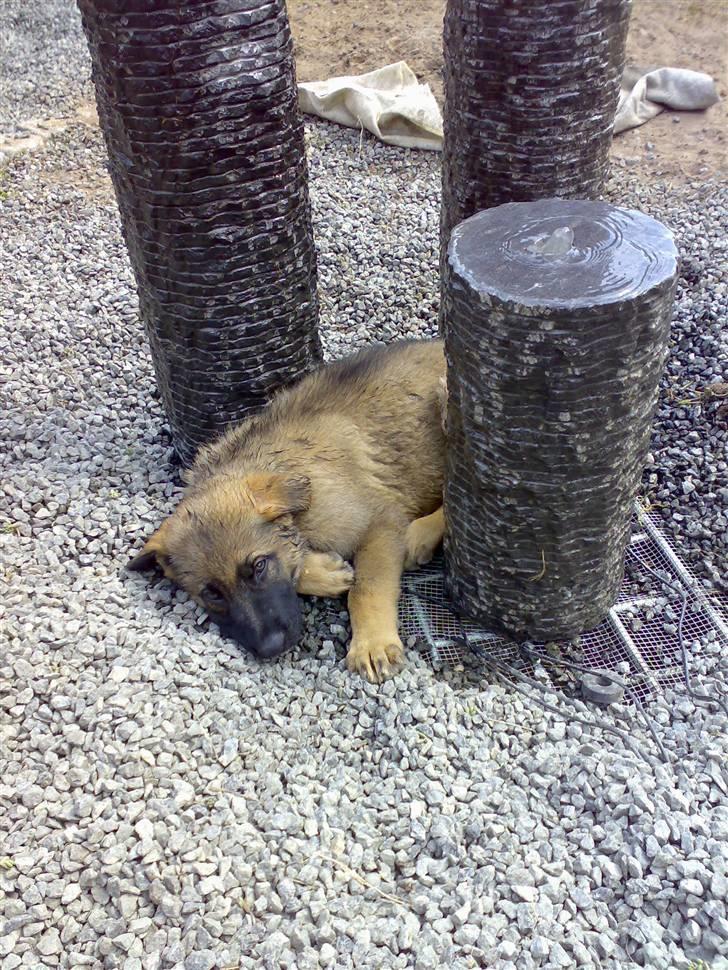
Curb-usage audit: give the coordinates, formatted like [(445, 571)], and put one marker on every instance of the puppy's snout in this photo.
[(272, 645), (267, 623)]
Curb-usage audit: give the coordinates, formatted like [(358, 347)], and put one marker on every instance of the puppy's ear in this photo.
[(275, 495), (153, 553)]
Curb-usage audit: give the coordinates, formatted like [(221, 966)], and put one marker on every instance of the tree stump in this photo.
[(198, 106), (557, 325), (531, 90)]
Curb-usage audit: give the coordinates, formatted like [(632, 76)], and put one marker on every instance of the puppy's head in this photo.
[(232, 546)]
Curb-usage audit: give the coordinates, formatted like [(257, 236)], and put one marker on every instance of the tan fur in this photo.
[(423, 537), (346, 464)]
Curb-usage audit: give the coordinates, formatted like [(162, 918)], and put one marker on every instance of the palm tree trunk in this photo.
[(198, 106), (558, 323), (531, 89)]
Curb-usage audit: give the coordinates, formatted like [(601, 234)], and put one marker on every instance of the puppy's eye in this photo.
[(260, 566), (213, 596)]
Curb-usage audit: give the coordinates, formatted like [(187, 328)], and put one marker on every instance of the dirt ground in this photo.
[(353, 36), (334, 37)]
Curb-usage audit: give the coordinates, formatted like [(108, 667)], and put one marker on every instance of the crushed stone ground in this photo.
[(166, 802)]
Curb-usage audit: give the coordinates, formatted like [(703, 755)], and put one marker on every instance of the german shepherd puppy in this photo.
[(347, 464)]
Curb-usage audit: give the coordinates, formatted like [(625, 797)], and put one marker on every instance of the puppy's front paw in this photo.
[(376, 660), (325, 574), (339, 576)]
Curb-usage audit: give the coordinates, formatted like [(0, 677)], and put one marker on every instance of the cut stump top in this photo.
[(562, 254)]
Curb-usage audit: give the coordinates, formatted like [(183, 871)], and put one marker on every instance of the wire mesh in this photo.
[(662, 621)]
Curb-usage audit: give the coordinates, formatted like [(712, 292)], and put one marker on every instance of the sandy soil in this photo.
[(352, 36)]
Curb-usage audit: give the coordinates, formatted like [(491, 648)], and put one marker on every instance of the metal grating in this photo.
[(662, 618)]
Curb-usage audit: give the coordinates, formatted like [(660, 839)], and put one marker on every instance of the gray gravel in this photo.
[(166, 802), (689, 480), (44, 61)]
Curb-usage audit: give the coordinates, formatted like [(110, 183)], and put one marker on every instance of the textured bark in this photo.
[(197, 102), (531, 89), (555, 346)]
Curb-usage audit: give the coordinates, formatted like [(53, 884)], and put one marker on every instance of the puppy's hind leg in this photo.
[(376, 650), (423, 537)]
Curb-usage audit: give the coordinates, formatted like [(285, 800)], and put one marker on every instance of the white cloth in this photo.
[(393, 106), (388, 102), (645, 95)]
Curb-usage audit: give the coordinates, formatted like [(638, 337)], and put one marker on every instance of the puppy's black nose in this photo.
[(272, 645)]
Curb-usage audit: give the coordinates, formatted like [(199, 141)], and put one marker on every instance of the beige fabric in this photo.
[(645, 95), (393, 106), (388, 102)]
